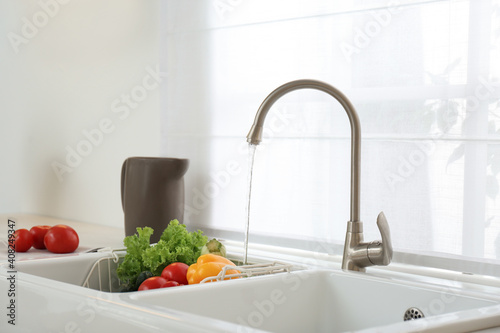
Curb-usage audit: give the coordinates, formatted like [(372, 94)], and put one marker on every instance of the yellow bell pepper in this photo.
[(208, 265)]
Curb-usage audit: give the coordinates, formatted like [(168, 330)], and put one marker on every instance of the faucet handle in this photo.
[(380, 252)]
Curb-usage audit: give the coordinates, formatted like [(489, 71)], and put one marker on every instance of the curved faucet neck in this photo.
[(255, 134)]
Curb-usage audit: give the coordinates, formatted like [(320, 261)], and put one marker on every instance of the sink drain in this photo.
[(413, 313)]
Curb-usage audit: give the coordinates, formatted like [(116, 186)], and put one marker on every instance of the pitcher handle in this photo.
[(122, 185)]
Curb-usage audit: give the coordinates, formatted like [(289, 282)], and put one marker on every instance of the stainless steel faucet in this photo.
[(357, 254)]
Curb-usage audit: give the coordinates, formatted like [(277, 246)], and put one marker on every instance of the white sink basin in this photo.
[(323, 301), (50, 291), (49, 298)]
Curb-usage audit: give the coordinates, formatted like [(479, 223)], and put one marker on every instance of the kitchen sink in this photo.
[(326, 301), (305, 300)]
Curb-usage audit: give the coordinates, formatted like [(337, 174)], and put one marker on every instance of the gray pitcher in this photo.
[(152, 190)]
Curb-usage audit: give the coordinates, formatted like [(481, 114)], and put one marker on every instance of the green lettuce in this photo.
[(132, 264), (176, 244)]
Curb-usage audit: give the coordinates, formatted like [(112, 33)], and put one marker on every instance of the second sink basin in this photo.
[(325, 301)]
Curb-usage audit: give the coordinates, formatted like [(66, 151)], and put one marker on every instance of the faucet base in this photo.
[(355, 250), (358, 254)]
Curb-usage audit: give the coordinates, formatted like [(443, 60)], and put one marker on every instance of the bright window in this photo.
[(424, 77)]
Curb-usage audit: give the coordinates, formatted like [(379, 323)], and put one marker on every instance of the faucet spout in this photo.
[(255, 135), (357, 254)]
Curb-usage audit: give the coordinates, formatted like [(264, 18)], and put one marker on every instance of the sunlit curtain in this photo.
[(424, 77)]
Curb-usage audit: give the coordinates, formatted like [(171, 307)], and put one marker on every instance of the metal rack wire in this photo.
[(249, 271), (102, 275)]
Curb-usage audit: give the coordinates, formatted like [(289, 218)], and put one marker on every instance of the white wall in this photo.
[(66, 67)]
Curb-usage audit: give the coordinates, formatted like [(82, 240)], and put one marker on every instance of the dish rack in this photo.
[(102, 275)]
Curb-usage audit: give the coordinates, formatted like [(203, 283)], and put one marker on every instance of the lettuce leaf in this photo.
[(176, 244), (132, 264)]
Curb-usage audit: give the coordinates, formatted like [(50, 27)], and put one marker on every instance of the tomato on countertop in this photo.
[(23, 240), (38, 233), (61, 239)]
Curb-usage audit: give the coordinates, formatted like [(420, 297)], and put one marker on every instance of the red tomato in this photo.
[(61, 239), (176, 272), (172, 284), (23, 240), (154, 282), (38, 233)]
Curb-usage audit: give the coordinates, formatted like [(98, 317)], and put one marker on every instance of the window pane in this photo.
[(424, 78)]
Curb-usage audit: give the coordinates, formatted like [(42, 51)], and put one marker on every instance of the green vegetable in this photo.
[(132, 264), (176, 244), (213, 246)]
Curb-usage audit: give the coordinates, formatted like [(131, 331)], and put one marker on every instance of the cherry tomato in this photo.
[(176, 272), (38, 233), (23, 240), (172, 284), (61, 239), (154, 282)]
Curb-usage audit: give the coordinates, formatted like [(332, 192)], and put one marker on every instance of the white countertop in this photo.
[(69, 304), (91, 235)]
